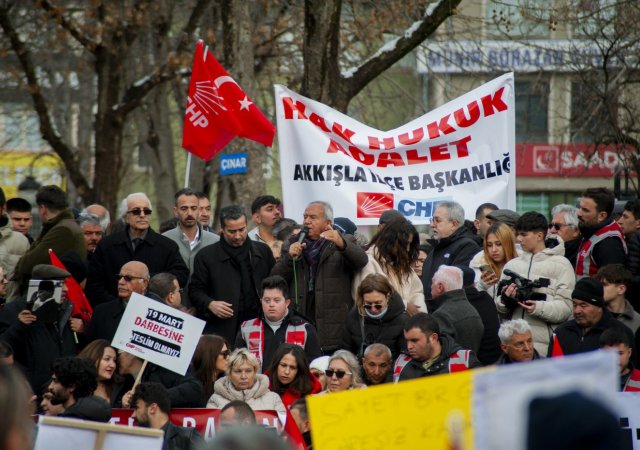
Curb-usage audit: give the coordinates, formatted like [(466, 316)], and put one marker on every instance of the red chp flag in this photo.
[(218, 110), (81, 306)]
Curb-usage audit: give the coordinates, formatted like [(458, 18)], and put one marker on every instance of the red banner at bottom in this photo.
[(204, 420)]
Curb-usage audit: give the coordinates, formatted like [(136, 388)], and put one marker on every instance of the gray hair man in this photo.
[(455, 244), (320, 266), (564, 223), (516, 342), (91, 230), (102, 213), (450, 307), (377, 364)]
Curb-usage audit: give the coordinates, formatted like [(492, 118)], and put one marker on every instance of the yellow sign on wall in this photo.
[(411, 414), (46, 168)]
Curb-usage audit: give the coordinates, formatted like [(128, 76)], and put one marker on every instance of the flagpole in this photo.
[(188, 170)]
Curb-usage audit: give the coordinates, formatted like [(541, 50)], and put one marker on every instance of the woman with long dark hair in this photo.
[(105, 358), (210, 360), (289, 374), (392, 252)]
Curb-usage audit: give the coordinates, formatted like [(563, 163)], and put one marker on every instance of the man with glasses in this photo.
[(455, 244), (430, 352), (277, 324), (137, 242), (132, 277), (564, 223)]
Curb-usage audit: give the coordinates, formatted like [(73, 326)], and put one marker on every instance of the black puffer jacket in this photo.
[(91, 407), (415, 369), (388, 330), (489, 350), (455, 250)]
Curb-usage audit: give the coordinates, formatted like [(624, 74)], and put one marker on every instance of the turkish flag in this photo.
[(218, 110), (81, 306)]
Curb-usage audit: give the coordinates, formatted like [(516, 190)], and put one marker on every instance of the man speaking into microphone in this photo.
[(319, 266)]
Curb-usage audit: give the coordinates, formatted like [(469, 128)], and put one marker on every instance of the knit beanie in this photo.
[(589, 290)]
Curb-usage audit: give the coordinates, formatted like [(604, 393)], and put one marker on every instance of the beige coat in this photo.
[(13, 246), (258, 396), (410, 289), (549, 263)]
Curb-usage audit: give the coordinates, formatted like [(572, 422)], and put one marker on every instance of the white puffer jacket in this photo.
[(549, 263), (258, 396)]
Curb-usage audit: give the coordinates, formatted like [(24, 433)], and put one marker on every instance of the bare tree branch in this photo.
[(393, 51), (67, 24), (40, 104)]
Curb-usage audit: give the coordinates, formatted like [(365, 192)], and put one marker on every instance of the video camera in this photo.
[(525, 288)]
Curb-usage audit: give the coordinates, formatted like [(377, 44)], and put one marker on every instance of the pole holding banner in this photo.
[(188, 170), (139, 377)]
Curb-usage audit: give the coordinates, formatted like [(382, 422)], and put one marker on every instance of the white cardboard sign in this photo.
[(158, 333)]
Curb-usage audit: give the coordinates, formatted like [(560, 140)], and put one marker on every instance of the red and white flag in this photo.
[(218, 110)]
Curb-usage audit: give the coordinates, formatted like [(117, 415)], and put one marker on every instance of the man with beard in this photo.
[(602, 239), (265, 213), (377, 363), (151, 410), (72, 384), (227, 275), (204, 211), (38, 341), (190, 236)]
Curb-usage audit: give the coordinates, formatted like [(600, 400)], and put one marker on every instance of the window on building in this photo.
[(526, 201), (532, 100), (592, 113)]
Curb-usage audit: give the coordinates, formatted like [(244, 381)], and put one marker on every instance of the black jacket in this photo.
[(415, 369), (180, 438), (273, 340), (158, 252), (216, 278), (458, 319), (455, 250), (572, 339), (504, 359), (571, 250), (387, 331), (105, 320), (185, 391), (36, 346), (489, 350), (91, 407)]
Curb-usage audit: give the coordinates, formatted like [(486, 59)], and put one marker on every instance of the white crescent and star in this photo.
[(245, 103)]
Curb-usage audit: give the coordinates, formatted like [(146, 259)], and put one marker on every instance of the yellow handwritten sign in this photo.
[(15, 166), (411, 414)]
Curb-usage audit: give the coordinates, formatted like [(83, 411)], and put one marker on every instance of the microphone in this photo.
[(303, 234)]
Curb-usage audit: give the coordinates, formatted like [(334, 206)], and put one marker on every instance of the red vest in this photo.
[(633, 383), (585, 265), (458, 361), (253, 334)]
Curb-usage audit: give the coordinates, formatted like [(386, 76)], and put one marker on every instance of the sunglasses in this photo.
[(370, 306), (225, 354), (129, 278), (557, 226), (139, 211), (338, 373)]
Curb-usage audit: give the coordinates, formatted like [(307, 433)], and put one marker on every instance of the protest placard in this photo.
[(57, 433), (461, 151), (158, 333)]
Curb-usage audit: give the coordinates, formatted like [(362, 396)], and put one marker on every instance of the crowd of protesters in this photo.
[(304, 305)]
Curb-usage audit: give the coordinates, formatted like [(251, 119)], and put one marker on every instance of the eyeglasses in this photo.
[(178, 291), (4, 280), (225, 354), (139, 211), (370, 306), (129, 278), (557, 226), (338, 373)]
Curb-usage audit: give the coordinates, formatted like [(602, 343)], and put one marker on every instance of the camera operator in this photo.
[(542, 307)]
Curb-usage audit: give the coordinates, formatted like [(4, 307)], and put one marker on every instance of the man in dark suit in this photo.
[(133, 277), (227, 275), (151, 410), (137, 242)]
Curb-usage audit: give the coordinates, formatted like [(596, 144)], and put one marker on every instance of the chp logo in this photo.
[(546, 159), (370, 205)]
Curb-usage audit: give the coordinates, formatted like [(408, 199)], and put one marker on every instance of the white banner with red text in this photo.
[(461, 151)]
